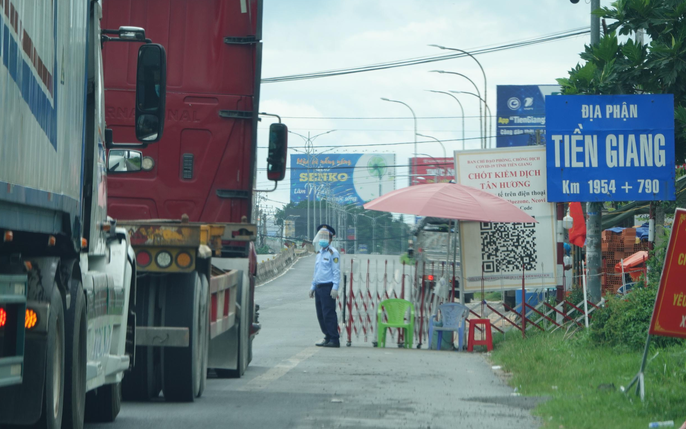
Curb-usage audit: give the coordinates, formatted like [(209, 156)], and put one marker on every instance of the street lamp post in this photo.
[(309, 150), (477, 62), (437, 141), (461, 108), (373, 229), (483, 124), (413, 116), (436, 163), (488, 109)]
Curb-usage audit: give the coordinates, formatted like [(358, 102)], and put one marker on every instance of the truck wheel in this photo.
[(181, 366), (144, 380), (204, 321), (104, 403), (51, 417), (75, 363)]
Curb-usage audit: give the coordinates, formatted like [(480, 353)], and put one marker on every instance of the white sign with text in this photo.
[(497, 252)]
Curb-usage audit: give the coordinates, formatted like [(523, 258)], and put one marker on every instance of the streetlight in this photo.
[(483, 125), (373, 229), (472, 57), (461, 108), (441, 143), (437, 141), (488, 109), (309, 150), (436, 163), (415, 121)]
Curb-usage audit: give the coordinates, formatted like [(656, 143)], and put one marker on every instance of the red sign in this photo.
[(431, 170), (669, 314)]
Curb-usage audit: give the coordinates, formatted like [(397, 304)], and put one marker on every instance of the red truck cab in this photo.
[(204, 165)]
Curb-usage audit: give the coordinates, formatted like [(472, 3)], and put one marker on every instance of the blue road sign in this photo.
[(610, 147), (521, 114)]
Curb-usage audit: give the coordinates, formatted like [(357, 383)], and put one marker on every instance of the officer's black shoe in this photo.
[(335, 344), (323, 343)]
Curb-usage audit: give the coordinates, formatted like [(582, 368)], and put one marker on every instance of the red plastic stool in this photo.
[(488, 342)]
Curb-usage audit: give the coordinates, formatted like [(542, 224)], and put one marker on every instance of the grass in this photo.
[(569, 371), (490, 296)]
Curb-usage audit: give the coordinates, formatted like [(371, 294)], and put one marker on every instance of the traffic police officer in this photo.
[(324, 288)]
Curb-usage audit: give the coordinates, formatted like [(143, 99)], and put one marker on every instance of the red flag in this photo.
[(577, 235)]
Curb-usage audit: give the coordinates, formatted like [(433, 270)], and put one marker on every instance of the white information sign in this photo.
[(497, 252)]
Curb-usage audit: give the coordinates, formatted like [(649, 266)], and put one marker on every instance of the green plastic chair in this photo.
[(395, 311)]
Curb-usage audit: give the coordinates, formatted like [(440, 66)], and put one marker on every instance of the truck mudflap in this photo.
[(12, 330)]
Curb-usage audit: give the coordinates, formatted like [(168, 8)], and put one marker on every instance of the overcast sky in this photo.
[(303, 36)]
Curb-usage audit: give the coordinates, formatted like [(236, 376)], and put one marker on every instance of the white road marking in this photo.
[(264, 380)]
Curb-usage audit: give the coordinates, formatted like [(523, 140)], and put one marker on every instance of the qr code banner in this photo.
[(495, 253), (506, 247)]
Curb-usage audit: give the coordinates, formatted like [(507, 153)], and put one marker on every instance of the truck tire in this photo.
[(76, 359), (181, 366), (145, 380), (53, 394), (104, 403), (204, 320)]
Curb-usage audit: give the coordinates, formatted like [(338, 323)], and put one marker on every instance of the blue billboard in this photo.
[(344, 178), (521, 114), (610, 147)]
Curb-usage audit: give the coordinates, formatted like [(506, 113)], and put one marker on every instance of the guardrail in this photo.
[(267, 270)]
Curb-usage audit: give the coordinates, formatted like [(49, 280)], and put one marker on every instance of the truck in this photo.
[(432, 241), (67, 269), (188, 204)]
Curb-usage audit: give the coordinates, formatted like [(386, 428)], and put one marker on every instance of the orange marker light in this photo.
[(51, 241), (183, 260), (31, 319), (84, 243), (3, 317), (9, 236)]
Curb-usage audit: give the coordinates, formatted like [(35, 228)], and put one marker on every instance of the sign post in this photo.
[(669, 313)]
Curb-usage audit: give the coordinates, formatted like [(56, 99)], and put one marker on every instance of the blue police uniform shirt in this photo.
[(327, 268)]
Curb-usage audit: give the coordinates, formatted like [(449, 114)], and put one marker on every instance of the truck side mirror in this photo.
[(278, 152), (124, 161), (151, 90)]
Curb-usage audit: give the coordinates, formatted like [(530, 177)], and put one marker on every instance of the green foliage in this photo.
[(568, 370), (264, 250), (404, 259), (628, 67), (624, 321), (489, 296)]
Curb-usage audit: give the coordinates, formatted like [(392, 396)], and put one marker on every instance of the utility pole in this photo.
[(594, 210)]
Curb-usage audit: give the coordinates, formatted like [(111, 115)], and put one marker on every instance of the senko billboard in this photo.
[(344, 178)]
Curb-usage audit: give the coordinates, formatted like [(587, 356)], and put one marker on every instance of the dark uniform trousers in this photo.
[(326, 311)]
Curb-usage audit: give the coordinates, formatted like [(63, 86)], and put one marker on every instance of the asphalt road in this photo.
[(292, 384)]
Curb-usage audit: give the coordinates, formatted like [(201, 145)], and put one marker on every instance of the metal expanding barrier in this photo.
[(370, 280)]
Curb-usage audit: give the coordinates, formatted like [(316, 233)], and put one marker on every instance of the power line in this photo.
[(380, 144), (377, 117), (431, 59)]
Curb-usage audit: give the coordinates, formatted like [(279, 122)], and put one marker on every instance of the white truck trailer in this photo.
[(67, 272)]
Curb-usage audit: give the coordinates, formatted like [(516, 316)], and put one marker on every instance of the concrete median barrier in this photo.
[(271, 268)]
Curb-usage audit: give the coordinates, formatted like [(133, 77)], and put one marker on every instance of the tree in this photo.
[(628, 67)]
